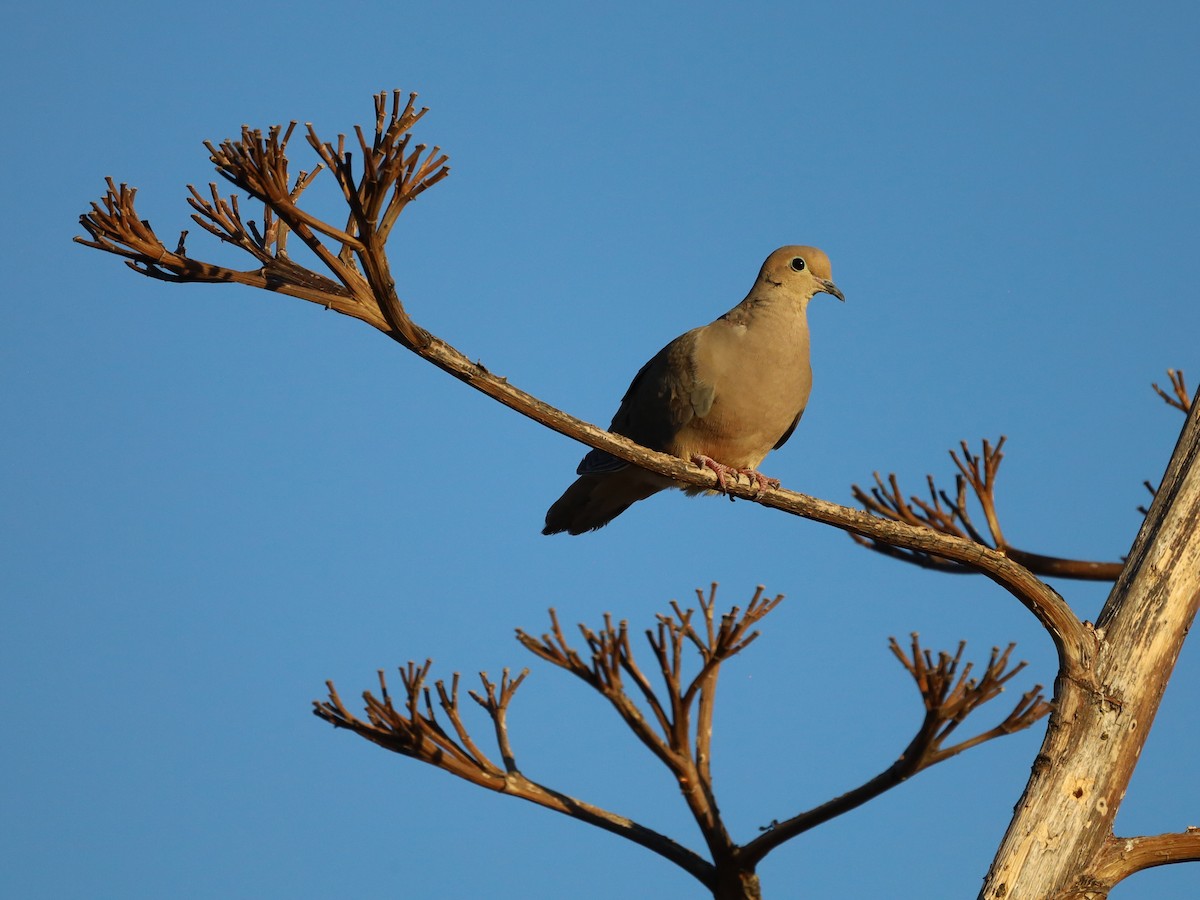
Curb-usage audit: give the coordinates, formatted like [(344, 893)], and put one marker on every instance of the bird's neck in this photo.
[(786, 312)]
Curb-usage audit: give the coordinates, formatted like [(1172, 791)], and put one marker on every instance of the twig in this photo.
[(1123, 857), (1180, 399), (257, 163), (950, 516), (686, 753), (414, 731), (949, 695)]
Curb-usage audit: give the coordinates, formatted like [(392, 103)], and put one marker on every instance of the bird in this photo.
[(721, 396)]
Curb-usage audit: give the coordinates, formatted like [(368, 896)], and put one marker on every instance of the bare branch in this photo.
[(415, 732), (1180, 398), (949, 695), (951, 516), (497, 708), (258, 164), (937, 532), (1123, 857), (1182, 402), (612, 660)]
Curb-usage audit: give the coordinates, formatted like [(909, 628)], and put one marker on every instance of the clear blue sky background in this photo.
[(214, 499)]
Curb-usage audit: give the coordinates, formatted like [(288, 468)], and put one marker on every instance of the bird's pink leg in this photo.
[(761, 480), (723, 471)]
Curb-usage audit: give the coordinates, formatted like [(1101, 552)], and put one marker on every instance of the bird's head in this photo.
[(804, 270)]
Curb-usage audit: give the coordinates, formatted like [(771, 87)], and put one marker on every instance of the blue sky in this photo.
[(217, 499)]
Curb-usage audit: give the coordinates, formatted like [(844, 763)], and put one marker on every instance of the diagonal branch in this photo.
[(1179, 396), (670, 737), (258, 164), (949, 695), (414, 731), (1180, 400)]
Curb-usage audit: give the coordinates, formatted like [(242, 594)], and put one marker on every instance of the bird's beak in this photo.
[(828, 287)]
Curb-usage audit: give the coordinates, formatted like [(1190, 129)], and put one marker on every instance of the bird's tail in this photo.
[(595, 500)]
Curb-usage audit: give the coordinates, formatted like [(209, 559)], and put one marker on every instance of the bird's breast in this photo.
[(760, 380)]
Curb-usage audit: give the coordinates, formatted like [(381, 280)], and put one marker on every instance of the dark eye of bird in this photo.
[(798, 264)]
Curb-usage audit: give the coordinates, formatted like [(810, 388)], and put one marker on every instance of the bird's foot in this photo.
[(722, 471), (760, 481)]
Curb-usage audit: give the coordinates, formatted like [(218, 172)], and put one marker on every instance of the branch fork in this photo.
[(949, 514), (678, 726), (937, 532)]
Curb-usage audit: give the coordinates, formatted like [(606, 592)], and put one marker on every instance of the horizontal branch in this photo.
[(1123, 857), (1074, 642)]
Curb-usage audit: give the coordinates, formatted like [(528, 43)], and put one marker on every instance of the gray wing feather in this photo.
[(663, 397)]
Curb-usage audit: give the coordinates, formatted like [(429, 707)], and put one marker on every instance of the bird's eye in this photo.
[(797, 264)]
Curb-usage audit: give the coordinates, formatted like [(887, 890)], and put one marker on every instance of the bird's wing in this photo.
[(664, 396)]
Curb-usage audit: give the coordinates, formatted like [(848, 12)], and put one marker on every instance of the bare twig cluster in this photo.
[(362, 287), (949, 514), (1179, 396), (1180, 400), (679, 730), (676, 726), (415, 731), (951, 694), (393, 174), (674, 720)]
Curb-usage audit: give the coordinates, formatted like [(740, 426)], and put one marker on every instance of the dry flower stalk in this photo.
[(950, 515), (674, 720)]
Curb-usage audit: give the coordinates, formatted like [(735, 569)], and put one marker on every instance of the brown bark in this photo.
[(1060, 842), (1111, 677)]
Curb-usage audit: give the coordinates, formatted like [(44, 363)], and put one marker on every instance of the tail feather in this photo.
[(595, 500)]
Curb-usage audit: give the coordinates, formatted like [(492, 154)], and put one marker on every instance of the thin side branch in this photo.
[(950, 514), (1179, 396), (391, 175), (1123, 857), (679, 729), (413, 730), (949, 695), (1180, 400)]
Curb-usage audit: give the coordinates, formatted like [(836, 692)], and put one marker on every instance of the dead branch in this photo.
[(1123, 857), (679, 729), (950, 515), (937, 532), (1179, 398), (392, 175), (949, 695), (1181, 401), (1095, 738), (413, 730), (680, 732)]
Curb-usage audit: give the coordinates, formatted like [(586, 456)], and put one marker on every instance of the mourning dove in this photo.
[(722, 396)]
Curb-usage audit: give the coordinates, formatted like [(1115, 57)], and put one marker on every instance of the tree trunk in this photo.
[(1060, 842), (734, 883)]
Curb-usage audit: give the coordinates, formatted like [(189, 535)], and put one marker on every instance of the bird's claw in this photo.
[(761, 481), (722, 471)]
